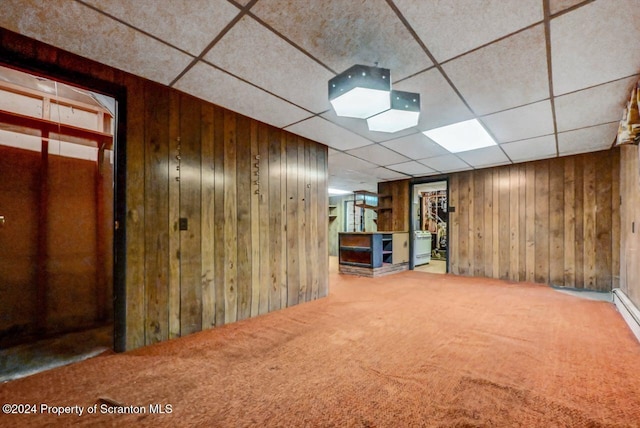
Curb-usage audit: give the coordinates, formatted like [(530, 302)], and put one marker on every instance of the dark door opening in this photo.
[(430, 226), (57, 169)]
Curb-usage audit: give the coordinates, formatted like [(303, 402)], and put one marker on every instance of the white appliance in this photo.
[(421, 247)]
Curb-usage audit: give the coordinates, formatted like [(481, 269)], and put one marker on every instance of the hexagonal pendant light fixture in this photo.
[(361, 91), (403, 113)]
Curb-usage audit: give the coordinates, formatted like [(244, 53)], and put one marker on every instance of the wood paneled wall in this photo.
[(257, 228), (630, 222), (553, 221), (394, 195)]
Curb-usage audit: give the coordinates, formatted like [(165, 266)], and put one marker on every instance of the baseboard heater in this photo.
[(630, 313)]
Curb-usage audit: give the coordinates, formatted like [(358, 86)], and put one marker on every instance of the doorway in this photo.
[(429, 226), (57, 170)]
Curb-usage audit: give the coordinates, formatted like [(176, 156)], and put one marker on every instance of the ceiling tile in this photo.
[(519, 123), (449, 28), (440, 105), (534, 148), (584, 140), (83, 31), (342, 161), (412, 168), (188, 25), (332, 151), (446, 163), (416, 146), (505, 74), (325, 132), (556, 6), (488, 156), (383, 174), (378, 154), (254, 53), (586, 51), (339, 34), (208, 83), (594, 106)]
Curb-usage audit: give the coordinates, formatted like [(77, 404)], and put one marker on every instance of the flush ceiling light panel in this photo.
[(403, 113), (461, 136), (361, 91)]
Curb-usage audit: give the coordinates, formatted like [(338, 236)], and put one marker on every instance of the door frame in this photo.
[(119, 93), (416, 182)]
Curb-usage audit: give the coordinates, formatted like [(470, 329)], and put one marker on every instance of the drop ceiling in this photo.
[(546, 78)]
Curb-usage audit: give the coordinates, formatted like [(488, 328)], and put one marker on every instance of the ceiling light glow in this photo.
[(461, 136)]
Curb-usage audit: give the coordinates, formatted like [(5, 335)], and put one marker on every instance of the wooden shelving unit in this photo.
[(333, 212), (372, 254)]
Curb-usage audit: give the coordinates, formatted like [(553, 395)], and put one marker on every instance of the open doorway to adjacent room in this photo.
[(56, 223), (429, 226)]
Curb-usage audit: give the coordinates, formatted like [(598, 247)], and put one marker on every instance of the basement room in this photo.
[(375, 213)]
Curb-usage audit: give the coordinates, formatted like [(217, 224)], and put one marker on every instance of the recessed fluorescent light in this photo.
[(461, 136), (338, 191)]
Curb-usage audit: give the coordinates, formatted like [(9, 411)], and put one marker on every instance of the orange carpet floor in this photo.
[(407, 350)]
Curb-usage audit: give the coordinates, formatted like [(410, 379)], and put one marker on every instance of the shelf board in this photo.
[(333, 206), (360, 249), (368, 265)]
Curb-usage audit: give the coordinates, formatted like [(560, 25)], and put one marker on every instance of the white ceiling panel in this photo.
[(532, 120), (208, 83), (416, 146), (341, 35), (81, 30), (449, 29), (412, 168), (586, 50), (488, 156), (534, 148), (446, 163), (325, 132), (378, 154), (440, 105), (384, 174), (188, 25), (584, 140), (594, 106), (556, 6), (252, 52), (505, 74), (342, 161)]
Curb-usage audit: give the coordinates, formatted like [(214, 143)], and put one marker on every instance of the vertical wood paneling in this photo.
[(322, 159), (478, 224), (156, 202), (604, 226), (488, 222), (495, 251), (504, 235), (266, 281), (579, 231), (135, 222), (190, 208), (530, 223), (208, 216), (556, 221), (589, 225), (254, 172), (550, 221), (243, 241), (231, 261), (514, 226), (292, 226), (275, 220), (174, 214), (522, 222), (615, 219), (219, 215), (630, 193), (542, 222), (230, 219), (569, 222)]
